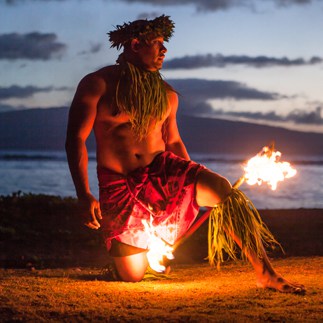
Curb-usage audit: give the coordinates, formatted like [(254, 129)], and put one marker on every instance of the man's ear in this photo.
[(135, 44)]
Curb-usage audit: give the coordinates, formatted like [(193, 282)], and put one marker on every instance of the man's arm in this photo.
[(81, 119), (173, 139)]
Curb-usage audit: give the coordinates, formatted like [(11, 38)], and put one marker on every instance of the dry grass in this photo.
[(190, 293)]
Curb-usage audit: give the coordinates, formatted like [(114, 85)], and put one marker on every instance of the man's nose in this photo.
[(163, 48)]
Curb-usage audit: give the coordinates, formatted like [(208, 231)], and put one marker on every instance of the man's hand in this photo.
[(90, 210)]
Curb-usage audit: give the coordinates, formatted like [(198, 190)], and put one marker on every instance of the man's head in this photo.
[(143, 41)]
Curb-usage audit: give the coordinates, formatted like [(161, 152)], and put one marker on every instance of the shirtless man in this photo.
[(134, 142)]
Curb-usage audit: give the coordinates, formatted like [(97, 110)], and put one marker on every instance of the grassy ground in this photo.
[(51, 270), (195, 293)]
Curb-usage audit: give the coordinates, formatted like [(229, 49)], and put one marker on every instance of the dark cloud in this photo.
[(297, 116), (95, 48), (313, 117), (195, 108), (285, 3), (13, 2), (269, 116), (194, 94), (308, 117), (216, 5), (200, 5), (149, 15), (219, 60), (197, 90), (21, 92), (32, 46)]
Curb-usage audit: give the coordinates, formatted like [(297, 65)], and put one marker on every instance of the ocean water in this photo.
[(47, 173)]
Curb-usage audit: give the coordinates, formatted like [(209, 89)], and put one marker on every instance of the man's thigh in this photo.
[(120, 249)]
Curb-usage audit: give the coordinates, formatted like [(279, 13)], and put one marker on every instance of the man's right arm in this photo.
[(81, 120)]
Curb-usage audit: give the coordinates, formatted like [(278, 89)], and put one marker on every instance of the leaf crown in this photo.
[(143, 29)]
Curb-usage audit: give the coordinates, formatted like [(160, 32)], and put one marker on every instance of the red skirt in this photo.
[(162, 193)]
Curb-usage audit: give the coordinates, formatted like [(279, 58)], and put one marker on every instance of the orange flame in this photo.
[(158, 249), (266, 167)]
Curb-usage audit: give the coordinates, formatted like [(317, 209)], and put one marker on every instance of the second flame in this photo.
[(267, 167)]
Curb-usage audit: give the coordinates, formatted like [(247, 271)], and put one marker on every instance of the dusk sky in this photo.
[(247, 60)]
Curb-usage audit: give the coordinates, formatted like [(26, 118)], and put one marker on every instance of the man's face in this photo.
[(152, 54)]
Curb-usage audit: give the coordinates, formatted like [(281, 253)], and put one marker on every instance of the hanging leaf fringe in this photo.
[(236, 215), (143, 96)]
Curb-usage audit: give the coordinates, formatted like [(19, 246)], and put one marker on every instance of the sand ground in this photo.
[(51, 270), (190, 293)]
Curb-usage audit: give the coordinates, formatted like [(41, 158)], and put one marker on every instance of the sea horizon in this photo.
[(46, 172)]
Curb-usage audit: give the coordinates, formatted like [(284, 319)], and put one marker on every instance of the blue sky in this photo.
[(258, 61)]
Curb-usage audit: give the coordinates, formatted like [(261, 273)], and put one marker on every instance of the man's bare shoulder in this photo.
[(100, 80), (171, 93), (107, 73)]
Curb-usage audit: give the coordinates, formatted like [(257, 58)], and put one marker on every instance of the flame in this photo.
[(157, 248), (266, 167)]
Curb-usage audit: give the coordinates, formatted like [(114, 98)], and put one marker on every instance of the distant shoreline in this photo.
[(199, 134), (267, 212), (60, 155)]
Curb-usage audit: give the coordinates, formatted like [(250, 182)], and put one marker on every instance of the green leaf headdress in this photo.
[(144, 29)]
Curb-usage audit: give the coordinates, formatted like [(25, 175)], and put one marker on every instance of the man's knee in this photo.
[(131, 268), (211, 188), (130, 277), (226, 188)]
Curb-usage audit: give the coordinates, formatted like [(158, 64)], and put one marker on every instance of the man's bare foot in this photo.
[(278, 283)]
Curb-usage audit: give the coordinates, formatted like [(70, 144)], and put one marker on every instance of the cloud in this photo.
[(149, 15), (32, 46), (194, 94), (216, 5), (22, 92), (201, 5), (310, 117), (219, 60), (95, 48), (285, 3), (297, 116), (13, 2), (197, 90)]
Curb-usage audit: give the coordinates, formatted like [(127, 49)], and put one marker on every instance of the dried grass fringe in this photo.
[(143, 96), (237, 215)]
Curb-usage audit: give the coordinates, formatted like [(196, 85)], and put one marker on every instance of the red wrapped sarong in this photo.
[(162, 193)]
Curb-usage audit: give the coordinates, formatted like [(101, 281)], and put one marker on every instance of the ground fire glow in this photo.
[(267, 167), (157, 248)]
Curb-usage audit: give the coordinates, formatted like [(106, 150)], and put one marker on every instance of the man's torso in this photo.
[(117, 146)]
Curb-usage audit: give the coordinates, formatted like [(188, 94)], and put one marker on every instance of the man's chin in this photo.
[(154, 68), (159, 65)]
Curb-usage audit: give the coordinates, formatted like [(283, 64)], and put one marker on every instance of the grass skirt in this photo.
[(236, 215)]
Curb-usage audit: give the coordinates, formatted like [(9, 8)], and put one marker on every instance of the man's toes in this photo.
[(299, 291), (293, 289)]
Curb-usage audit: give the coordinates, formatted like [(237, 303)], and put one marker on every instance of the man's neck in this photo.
[(123, 58)]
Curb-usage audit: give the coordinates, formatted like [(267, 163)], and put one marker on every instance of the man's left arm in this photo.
[(173, 139)]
